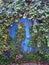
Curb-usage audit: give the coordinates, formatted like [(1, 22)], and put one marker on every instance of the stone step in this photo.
[(30, 63)]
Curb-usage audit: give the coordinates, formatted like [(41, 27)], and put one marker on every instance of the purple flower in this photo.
[(7, 53), (20, 56)]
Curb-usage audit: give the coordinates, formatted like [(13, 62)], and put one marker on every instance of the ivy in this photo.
[(36, 11)]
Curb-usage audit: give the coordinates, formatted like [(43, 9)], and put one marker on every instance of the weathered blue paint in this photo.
[(12, 30), (24, 43)]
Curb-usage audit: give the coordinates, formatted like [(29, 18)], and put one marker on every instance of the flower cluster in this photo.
[(7, 53), (20, 56)]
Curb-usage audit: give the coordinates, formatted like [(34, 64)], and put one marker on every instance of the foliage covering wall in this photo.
[(10, 12)]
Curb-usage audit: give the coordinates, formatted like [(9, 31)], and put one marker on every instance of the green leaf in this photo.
[(0, 53)]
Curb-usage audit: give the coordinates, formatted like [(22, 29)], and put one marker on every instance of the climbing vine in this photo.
[(10, 12)]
